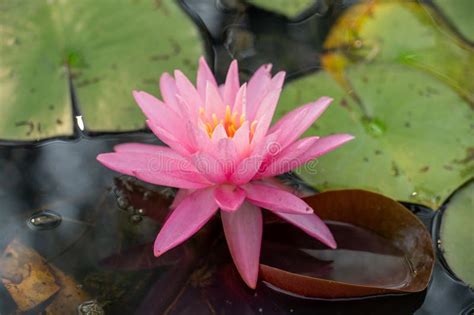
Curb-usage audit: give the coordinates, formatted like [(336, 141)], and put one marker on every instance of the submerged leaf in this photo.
[(410, 243), (457, 234)]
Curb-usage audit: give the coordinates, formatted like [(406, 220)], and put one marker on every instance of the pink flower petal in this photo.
[(167, 168), (312, 225), (243, 232), (232, 83), (229, 197), (257, 87), (209, 166), (188, 92), (228, 156), (176, 179), (158, 113), (169, 139), (214, 103), (264, 115), (324, 145), (180, 196), (204, 75), (168, 90), (198, 138), (287, 159), (188, 218), (295, 123), (249, 166), (275, 84), (219, 133), (275, 199), (301, 152), (143, 148), (240, 104), (246, 170), (242, 139)]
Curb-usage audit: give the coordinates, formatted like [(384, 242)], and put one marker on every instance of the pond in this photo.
[(98, 228), (77, 238)]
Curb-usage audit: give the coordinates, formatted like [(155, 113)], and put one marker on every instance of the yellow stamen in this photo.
[(214, 119), (242, 119), (209, 129), (231, 131), (227, 114), (234, 118), (252, 127), (231, 122)]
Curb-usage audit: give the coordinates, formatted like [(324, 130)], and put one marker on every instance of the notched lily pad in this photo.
[(404, 33), (382, 248), (400, 117), (107, 48), (457, 234)]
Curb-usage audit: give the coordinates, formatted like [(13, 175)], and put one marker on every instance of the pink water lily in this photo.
[(222, 154)]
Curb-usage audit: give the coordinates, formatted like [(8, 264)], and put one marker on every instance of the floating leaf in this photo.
[(107, 48), (290, 9), (404, 33), (34, 93), (410, 244), (413, 133), (457, 235), (459, 13)]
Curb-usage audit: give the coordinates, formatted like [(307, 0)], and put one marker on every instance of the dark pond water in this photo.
[(58, 203)]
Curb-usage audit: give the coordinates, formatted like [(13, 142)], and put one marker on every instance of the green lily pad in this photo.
[(414, 134), (108, 48), (457, 236), (290, 9), (459, 13), (408, 34), (34, 93)]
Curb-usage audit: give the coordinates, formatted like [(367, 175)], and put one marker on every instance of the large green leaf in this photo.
[(34, 93), (404, 33), (459, 13), (457, 236), (290, 9), (108, 48), (414, 134)]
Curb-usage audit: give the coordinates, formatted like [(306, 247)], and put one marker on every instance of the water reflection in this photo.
[(362, 257)]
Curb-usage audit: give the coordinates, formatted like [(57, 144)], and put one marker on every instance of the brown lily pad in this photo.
[(382, 248)]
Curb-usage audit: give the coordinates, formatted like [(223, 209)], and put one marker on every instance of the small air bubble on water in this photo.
[(44, 220)]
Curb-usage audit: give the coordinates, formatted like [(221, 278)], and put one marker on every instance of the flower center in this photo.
[(231, 122)]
